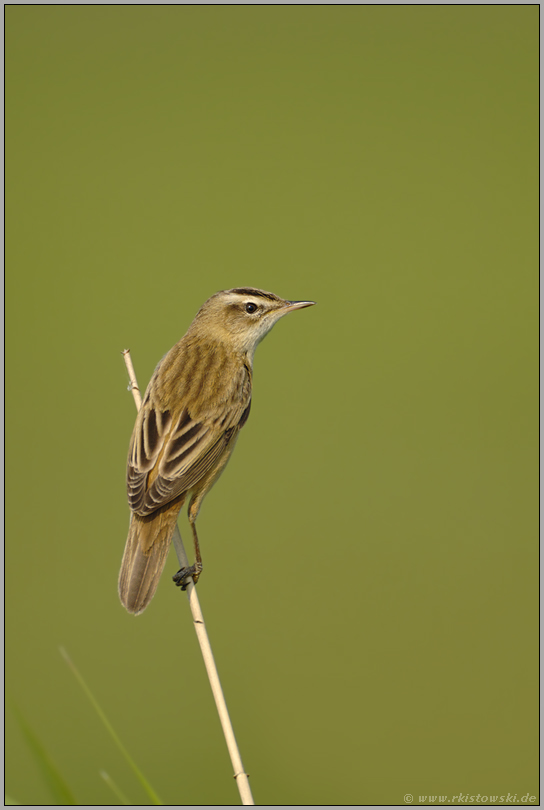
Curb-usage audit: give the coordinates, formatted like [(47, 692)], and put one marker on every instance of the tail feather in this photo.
[(146, 550)]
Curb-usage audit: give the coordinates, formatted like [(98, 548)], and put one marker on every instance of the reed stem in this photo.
[(241, 777)]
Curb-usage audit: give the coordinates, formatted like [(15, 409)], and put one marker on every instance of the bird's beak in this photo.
[(291, 305)]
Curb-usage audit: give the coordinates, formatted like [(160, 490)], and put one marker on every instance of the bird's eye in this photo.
[(251, 307)]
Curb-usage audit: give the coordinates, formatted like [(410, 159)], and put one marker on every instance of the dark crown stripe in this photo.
[(255, 293)]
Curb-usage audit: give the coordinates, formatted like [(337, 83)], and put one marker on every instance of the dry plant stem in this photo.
[(242, 780)]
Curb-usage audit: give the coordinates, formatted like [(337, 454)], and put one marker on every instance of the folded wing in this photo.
[(168, 454)]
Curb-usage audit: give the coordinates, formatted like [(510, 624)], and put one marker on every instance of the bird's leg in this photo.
[(198, 559), (194, 571)]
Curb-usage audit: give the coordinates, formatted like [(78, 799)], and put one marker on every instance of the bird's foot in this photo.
[(184, 574)]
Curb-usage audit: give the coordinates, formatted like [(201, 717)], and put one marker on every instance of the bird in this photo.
[(194, 407)]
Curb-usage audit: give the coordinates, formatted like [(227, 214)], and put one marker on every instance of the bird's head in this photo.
[(241, 317)]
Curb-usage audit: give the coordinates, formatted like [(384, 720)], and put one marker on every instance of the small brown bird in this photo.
[(195, 405)]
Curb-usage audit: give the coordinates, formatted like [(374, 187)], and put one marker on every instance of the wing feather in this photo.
[(169, 454), (165, 489)]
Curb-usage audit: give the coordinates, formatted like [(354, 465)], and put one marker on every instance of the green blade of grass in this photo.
[(114, 788), (55, 782), (113, 734)]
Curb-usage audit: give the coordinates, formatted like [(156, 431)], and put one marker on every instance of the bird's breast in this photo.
[(205, 377)]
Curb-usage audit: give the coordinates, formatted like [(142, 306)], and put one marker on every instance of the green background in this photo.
[(370, 583)]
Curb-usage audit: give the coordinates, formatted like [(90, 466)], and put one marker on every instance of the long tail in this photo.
[(146, 550)]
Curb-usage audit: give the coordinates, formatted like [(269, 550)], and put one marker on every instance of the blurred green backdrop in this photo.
[(370, 582)]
